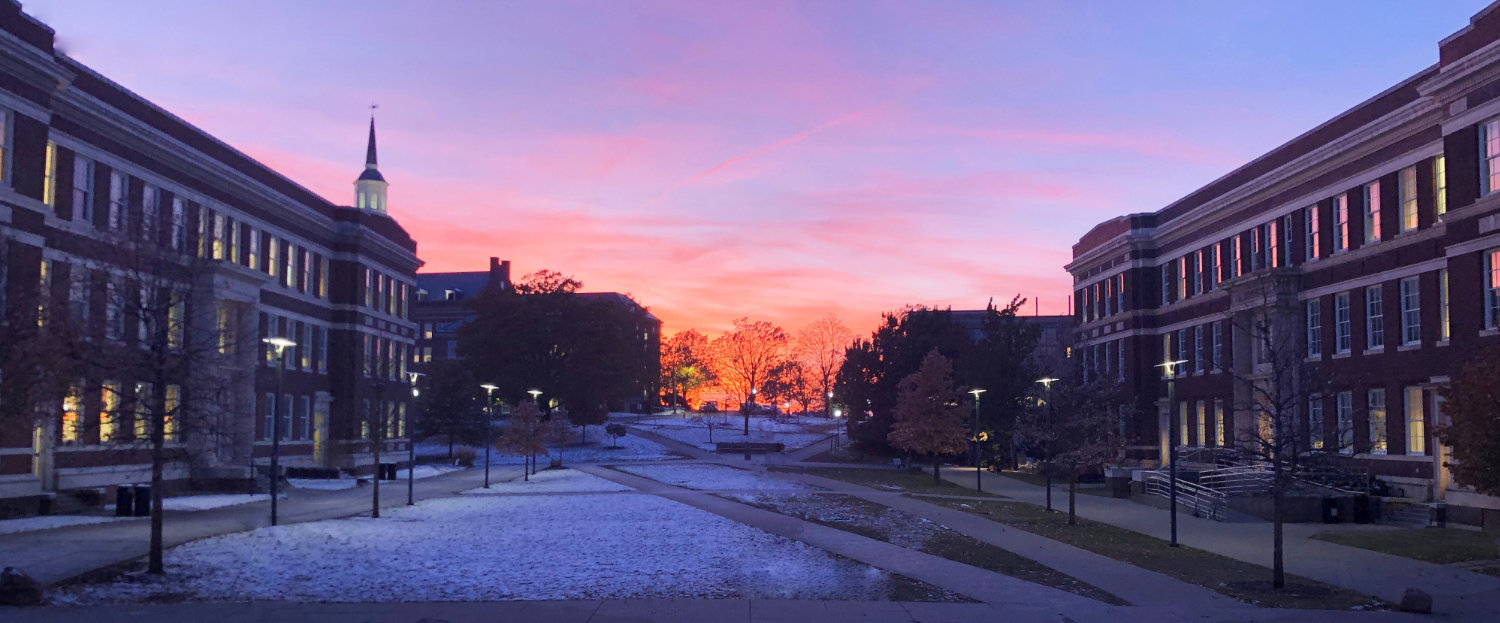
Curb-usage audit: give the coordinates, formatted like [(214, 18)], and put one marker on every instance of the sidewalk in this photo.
[(1129, 582), (53, 556), (1454, 591), (631, 610)]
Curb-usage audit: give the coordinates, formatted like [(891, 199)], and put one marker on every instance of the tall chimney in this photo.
[(499, 274)]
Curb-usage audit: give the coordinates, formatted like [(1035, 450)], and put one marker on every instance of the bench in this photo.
[(748, 447)]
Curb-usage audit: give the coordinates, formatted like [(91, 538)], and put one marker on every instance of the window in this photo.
[(83, 189), (1182, 351), (270, 419), (1374, 318), (78, 295), (1443, 303), (1376, 408), (1257, 246), (1314, 328), (1200, 422), (119, 188), (288, 273), (1182, 423), (1440, 185), (305, 347), (72, 408), (252, 248), (205, 231), (1166, 284), (1345, 421), (452, 349), (224, 319), (1411, 311), (1221, 427), (306, 261), (49, 179), (370, 288), (1238, 265), (1109, 298), (1213, 266), (1406, 185), (1119, 354), (1416, 424), (217, 236), (232, 244), (1341, 326), (5, 144), (286, 416), (1285, 236), (1218, 331), (273, 261), (150, 212), (1198, 349), (44, 291), (142, 416), (114, 312), (1119, 294), (323, 351), (304, 416), (1340, 223), (1489, 156), (1372, 212), (1315, 421), (171, 404), (323, 278), (176, 320), (109, 412), (1087, 309), (1310, 232), (1189, 282), (179, 225), (1492, 289)]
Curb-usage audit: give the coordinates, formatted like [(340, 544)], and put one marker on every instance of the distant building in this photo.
[(1371, 244), (441, 307), (88, 164), (1054, 341)]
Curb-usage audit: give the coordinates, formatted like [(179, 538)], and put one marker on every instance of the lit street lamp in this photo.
[(534, 393), (489, 427), (1046, 382), (411, 439), (1170, 367), (280, 344), (978, 485)]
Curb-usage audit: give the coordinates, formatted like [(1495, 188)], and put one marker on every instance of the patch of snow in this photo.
[(792, 432), (711, 477), (531, 548), (427, 471), (552, 481), (209, 502), (324, 484), (48, 522)]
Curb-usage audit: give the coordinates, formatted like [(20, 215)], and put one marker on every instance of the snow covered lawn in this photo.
[(48, 522), (481, 548), (324, 484), (711, 477), (599, 448), (552, 481), (209, 502), (730, 427), (428, 471)]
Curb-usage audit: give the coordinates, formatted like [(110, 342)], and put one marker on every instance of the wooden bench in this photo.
[(748, 447)]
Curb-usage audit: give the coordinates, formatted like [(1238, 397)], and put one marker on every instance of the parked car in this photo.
[(709, 406)]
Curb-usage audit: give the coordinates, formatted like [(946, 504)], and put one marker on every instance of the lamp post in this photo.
[(411, 440), (489, 426), (280, 344), (1170, 367), (1047, 382), (376, 441), (534, 393), (828, 406), (978, 484)]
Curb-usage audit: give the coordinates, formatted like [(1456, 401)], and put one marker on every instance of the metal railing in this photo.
[(1249, 479), (1203, 501)]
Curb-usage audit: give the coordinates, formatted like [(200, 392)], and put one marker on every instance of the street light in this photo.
[(376, 441), (534, 393), (828, 406), (1170, 367), (411, 440), (280, 344), (978, 485), (489, 426), (1046, 382)]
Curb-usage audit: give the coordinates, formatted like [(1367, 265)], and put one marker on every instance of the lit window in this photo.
[(109, 413), (1376, 408), (1372, 212), (1374, 318), (1416, 424), (1443, 302), (1492, 289), (1440, 185), (1489, 156), (1182, 423), (217, 236), (1221, 427), (252, 247), (1315, 421), (1342, 335), (273, 262), (1411, 311), (1407, 184), (172, 403), (72, 408), (49, 179), (1200, 422)]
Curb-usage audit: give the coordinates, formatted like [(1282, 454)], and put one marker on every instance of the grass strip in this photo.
[(1435, 545), (1240, 580), (889, 480)]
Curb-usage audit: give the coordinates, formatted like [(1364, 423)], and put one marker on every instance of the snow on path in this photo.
[(731, 428), (209, 502), (48, 522), (552, 481), (483, 548), (428, 471), (324, 484), (711, 477)]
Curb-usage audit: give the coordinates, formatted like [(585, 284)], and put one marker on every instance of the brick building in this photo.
[(89, 166), (1371, 243)]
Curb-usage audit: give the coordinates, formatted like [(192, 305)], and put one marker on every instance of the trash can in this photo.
[(387, 471), (1439, 514), (124, 501), (1363, 513), (143, 500), (1331, 510)]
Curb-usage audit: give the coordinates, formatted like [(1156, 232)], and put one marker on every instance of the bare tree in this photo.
[(744, 358), (820, 347), (527, 434), (1080, 428)]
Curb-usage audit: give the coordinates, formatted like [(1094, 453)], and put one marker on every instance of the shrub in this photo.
[(464, 456)]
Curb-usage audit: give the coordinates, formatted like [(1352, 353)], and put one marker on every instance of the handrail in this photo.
[(1202, 500), (1238, 480)]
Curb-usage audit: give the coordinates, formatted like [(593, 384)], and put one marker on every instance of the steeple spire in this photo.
[(369, 187)]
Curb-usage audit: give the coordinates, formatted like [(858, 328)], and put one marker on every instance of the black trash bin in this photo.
[(1362, 510), (387, 471), (124, 501), (1331, 510), (143, 500)]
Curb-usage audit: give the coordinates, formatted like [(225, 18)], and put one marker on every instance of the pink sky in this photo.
[(774, 160)]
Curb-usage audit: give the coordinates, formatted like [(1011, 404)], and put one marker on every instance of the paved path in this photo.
[(53, 556), (638, 611), (986, 586), (1461, 594), (1131, 583)]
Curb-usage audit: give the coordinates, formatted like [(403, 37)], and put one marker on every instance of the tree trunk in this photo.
[(936, 461), (1278, 569), (1072, 499), (158, 458), (450, 448), (1046, 470)]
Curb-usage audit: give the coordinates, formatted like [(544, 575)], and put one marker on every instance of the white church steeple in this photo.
[(369, 188)]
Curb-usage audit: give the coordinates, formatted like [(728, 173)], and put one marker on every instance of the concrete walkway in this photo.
[(57, 555), (1457, 593), (1131, 583), (634, 611)]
